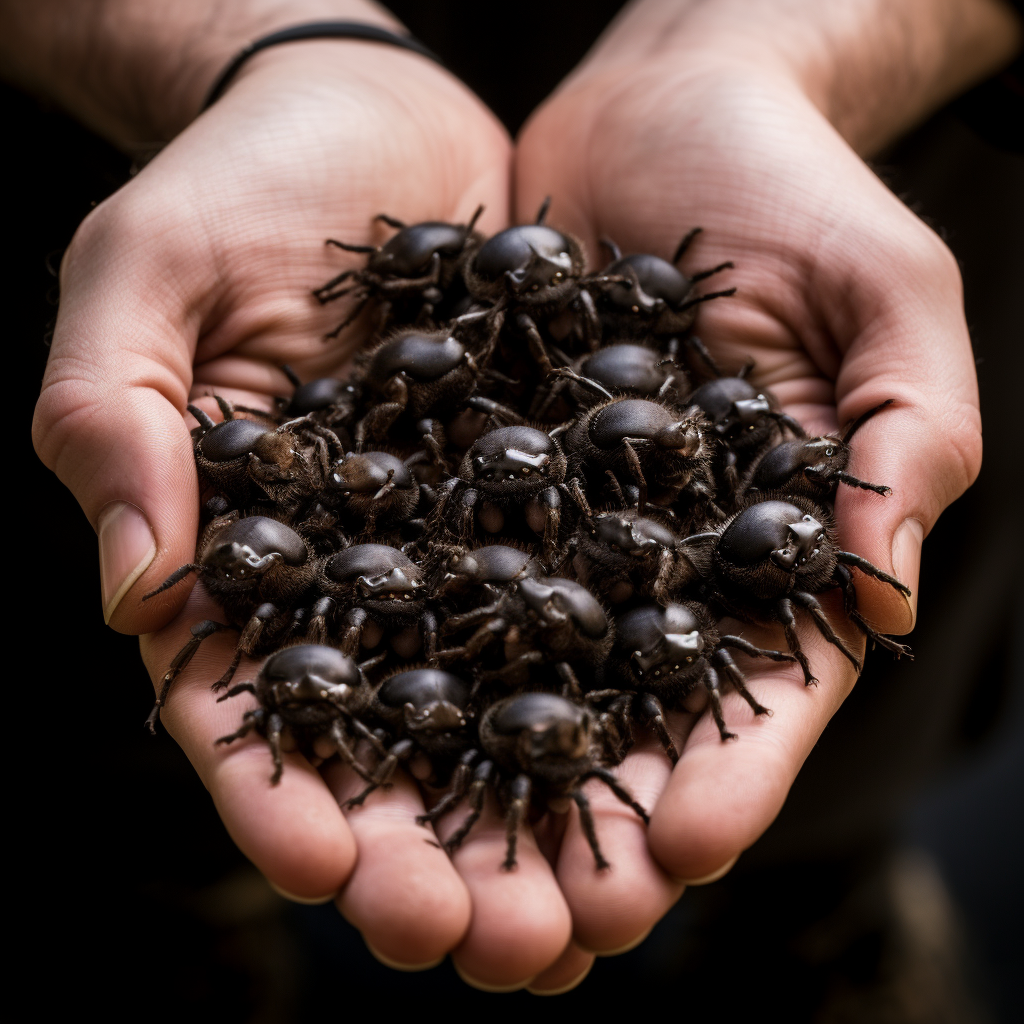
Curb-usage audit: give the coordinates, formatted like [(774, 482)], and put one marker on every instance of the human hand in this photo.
[(195, 278), (704, 117)]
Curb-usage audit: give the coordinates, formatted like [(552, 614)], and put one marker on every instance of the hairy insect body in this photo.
[(502, 548)]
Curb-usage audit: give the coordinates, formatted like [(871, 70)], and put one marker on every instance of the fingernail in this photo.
[(632, 944), (483, 986), (564, 988), (307, 901), (397, 966), (714, 876), (127, 546), (906, 561)]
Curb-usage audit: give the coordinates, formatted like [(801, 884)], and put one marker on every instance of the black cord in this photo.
[(315, 30)]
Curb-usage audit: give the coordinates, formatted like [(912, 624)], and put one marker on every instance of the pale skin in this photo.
[(195, 278)]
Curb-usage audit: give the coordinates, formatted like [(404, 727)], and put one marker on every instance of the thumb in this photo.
[(109, 419), (926, 446)]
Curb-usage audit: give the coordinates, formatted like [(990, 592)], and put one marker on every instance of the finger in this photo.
[(404, 896), (723, 795), (614, 909), (521, 924), (293, 832), (898, 318), (564, 974), (926, 447), (109, 419)]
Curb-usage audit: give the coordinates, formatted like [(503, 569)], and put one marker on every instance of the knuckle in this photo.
[(119, 234), (931, 259), (62, 407), (964, 449)]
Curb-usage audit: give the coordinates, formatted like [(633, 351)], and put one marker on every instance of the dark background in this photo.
[(888, 889)]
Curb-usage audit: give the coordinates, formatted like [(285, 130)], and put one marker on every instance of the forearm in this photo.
[(873, 67), (136, 71)]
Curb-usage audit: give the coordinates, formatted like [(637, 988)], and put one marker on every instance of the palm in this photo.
[(821, 250)]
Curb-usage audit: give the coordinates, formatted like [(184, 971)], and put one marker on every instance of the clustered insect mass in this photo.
[(504, 545)]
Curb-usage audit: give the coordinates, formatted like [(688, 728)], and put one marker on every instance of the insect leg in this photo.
[(275, 725), (619, 790), (633, 461), (652, 710), (200, 631), (457, 786), (483, 775), (247, 642), (702, 274), (713, 687), (235, 691), (317, 629), (723, 660), (519, 802), (739, 644), (853, 481), (401, 751), (250, 720), (685, 243), (810, 602), (355, 622), (849, 558), (784, 613), (346, 753), (570, 684), (587, 821), (536, 343)]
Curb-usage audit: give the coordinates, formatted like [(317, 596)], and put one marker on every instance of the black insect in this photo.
[(485, 571), (252, 463), (814, 466), (658, 448), (747, 422), (536, 750), (622, 368), (622, 554), (416, 379), (426, 711), (373, 490), (663, 653), (642, 294), (256, 569), (410, 276), (377, 593), (326, 400), (509, 476), (308, 694), (533, 273), (547, 621), (781, 551), (243, 562)]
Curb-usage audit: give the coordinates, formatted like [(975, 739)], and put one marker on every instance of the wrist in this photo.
[(873, 68), (137, 72)]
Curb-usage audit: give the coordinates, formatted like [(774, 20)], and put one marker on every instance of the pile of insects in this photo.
[(503, 547)]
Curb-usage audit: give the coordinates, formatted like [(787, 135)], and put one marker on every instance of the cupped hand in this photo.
[(195, 279), (844, 300)]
